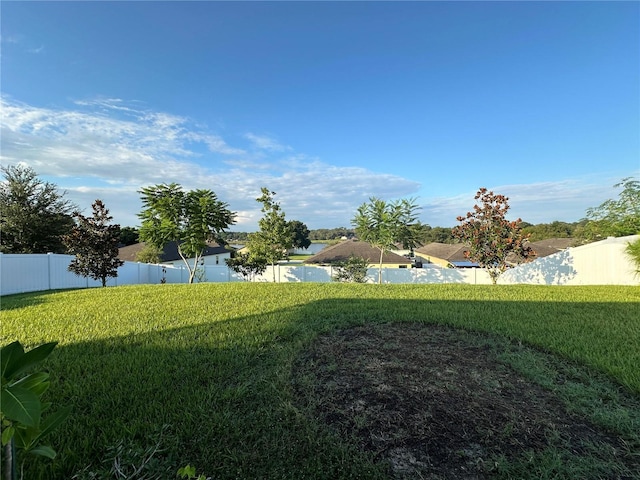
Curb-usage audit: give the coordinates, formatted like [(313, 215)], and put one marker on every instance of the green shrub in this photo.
[(633, 251), (353, 270)]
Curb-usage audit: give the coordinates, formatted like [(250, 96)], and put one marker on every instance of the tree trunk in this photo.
[(380, 267), (9, 469)]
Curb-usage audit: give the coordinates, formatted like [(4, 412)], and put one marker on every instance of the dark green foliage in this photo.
[(129, 235), (229, 237), (354, 270), (247, 265), (542, 231), (23, 427), (300, 234), (35, 215), (95, 244), (331, 233)]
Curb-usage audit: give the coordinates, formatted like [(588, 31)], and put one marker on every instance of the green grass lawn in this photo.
[(213, 362)]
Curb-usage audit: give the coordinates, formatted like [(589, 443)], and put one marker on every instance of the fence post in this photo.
[(49, 273)]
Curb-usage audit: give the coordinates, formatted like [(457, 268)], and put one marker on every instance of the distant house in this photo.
[(343, 250), (549, 246), (452, 255), (214, 254), (445, 254)]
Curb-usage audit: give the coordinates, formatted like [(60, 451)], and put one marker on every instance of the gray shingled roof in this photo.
[(169, 254), (342, 251), (446, 251), (549, 246)]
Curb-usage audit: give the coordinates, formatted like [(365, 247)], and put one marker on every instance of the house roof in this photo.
[(451, 252), (343, 250), (549, 246), (454, 253), (169, 253)]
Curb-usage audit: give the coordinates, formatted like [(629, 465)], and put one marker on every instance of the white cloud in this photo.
[(107, 148), (539, 202), (10, 39), (37, 50), (264, 142)]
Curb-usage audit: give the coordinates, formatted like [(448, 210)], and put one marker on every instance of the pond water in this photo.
[(312, 250)]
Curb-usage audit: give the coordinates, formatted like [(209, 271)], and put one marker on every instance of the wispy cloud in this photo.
[(37, 50), (108, 148), (10, 39), (538, 202), (264, 142)]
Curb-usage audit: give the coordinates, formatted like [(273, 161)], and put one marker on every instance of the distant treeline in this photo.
[(538, 232)]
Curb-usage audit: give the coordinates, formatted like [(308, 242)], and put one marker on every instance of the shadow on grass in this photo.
[(224, 387), (21, 300)]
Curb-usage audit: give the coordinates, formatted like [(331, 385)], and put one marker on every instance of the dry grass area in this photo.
[(439, 403)]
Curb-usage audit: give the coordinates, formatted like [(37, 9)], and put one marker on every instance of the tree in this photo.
[(247, 265), (149, 254), (492, 239), (616, 218), (300, 234), (554, 229), (191, 219), (275, 237), (353, 270), (35, 215), (128, 235), (382, 225), (633, 251), (95, 245), (437, 234)]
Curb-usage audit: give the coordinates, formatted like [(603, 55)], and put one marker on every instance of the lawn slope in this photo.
[(212, 363)]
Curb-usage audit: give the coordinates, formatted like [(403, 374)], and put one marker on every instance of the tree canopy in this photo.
[(615, 218), (300, 234), (493, 240), (382, 225), (275, 237), (95, 244), (35, 215), (191, 219)]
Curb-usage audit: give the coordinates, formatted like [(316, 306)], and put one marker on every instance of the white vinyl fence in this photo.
[(600, 263)]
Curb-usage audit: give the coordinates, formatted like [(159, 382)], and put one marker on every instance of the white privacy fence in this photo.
[(600, 263)]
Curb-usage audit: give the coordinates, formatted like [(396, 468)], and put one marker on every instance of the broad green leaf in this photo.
[(44, 451), (51, 422), (31, 358), (21, 405), (9, 358), (36, 382), (24, 437), (7, 435)]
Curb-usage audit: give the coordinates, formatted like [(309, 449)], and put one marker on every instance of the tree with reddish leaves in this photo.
[(494, 242), (95, 244)]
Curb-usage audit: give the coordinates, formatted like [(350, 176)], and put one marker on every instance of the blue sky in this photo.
[(326, 103)]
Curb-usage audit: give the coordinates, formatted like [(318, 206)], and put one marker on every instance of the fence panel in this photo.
[(599, 263)]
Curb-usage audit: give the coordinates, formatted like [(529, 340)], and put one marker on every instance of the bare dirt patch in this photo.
[(434, 402)]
